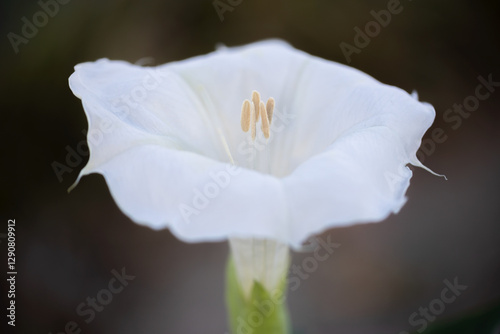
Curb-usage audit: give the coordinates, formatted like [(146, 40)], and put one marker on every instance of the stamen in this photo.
[(245, 116), (265, 119), (253, 121), (270, 109), (256, 103), (252, 110)]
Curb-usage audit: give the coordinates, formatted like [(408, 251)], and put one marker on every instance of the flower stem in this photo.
[(263, 312)]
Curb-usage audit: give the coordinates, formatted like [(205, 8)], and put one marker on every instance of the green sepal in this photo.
[(263, 312)]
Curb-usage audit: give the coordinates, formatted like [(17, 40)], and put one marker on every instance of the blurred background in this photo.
[(69, 244)]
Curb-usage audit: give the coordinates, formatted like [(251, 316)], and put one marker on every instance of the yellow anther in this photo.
[(256, 103), (270, 109), (265, 120), (245, 116), (250, 112), (253, 121)]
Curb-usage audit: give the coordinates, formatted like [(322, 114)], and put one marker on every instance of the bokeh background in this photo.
[(68, 244)]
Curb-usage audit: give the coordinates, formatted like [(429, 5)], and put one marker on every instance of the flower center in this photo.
[(252, 111)]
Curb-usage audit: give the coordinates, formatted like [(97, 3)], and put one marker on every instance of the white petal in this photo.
[(226, 77), (198, 198), (134, 104), (361, 178), (318, 100), (339, 151), (333, 100), (156, 157)]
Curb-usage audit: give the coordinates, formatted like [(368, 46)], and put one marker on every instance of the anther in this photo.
[(245, 116), (256, 103), (252, 110), (253, 121), (265, 120), (270, 109)]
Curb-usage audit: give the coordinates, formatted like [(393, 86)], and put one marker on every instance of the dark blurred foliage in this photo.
[(67, 245)]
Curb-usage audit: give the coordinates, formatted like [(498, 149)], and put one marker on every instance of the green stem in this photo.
[(263, 312)]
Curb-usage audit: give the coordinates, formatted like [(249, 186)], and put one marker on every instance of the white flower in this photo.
[(167, 140)]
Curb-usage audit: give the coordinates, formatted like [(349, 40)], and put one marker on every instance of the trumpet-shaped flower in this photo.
[(263, 144)]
